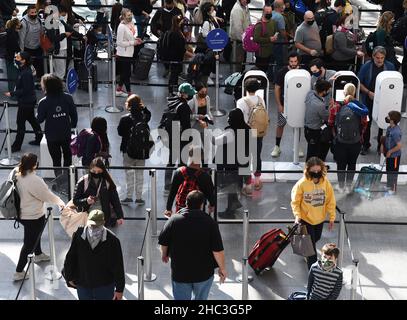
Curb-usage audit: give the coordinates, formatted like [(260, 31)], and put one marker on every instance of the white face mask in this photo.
[(63, 18)]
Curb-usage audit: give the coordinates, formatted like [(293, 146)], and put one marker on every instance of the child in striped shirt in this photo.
[(325, 278)]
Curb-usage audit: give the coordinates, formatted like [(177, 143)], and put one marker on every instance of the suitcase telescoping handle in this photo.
[(292, 231)]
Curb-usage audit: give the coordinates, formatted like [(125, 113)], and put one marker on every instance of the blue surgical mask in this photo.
[(17, 63), (317, 74)]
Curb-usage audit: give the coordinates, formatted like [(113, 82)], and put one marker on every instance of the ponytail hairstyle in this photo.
[(28, 163)]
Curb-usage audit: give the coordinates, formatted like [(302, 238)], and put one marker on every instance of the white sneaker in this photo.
[(18, 276), (41, 257), (301, 153), (338, 189), (213, 76), (276, 151), (121, 94), (210, 81)]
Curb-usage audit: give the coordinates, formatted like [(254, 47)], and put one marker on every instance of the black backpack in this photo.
[(140, 142), (347, 126), (163, 46), (399, 30), (321, 17), (169, 115)]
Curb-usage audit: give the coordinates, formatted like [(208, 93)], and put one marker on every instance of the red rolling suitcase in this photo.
[(268, 248)]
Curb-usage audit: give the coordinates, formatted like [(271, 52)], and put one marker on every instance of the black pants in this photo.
[(392, 165), (172, 162), (37, 61), (257, 173), (56, 149), (315, 231), (32, 230), (315, 147), (346, 156), (175, 70), (404, 65), (263, 63), (366, 135), (125, 64), (26, 113)]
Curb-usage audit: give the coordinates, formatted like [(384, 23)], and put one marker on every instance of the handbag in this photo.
[(302, 243), (45, 43), (71, 219)]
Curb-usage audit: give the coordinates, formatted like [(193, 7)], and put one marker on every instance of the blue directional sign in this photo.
[(72, 81), (89, 56), (217, 39)]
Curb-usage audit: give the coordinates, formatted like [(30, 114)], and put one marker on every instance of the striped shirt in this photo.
[(324, 285)]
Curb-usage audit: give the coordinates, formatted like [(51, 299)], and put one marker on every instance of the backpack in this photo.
[(139, 143), (347, 125), (194, 68), (325, 25), (163, 46), (231, 82), (370, 43), (399, 30), (167, 118), (189, 184), (329, 44), (258, 117), (93, 4), (10, 199), (249, 45), (322, 14), (78, 142)]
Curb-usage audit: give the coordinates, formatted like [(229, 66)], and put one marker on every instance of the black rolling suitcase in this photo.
[(83, 77), (143, 64)]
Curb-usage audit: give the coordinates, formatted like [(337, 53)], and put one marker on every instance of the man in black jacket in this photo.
[(94, 262), (25, 94), (162, 19), (8, 9)]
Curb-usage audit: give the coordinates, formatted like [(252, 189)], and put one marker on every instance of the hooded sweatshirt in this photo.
[(316, 111), (30, 33), (312, 202)]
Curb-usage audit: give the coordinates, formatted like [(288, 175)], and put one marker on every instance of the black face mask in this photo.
[(268, 16), (387, 119), (310, 23), (96, 175), (315, 175), (33, 17)]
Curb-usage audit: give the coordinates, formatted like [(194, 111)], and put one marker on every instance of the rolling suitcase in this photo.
[(368, 180), (268, 248), (83, 77), (143, 64)]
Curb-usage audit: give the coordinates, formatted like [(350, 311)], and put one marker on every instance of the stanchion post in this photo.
[(53, 273), (51, 63), (153, 187), (296, 145), (90, 87), (9, 161), (234, 51), (244, 278), (32, 275), (149, 276), (72, 180), (341, 237), (140, 277), (217, 112), (113, 108), (355, 279), (245, 282)]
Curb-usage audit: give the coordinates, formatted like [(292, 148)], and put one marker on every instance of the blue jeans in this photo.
[(99, 293), (183, 291), (141, 25)]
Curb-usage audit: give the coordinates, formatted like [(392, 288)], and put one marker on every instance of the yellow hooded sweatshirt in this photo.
[(312, 202)]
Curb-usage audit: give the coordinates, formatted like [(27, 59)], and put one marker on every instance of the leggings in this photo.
[(125, 64)]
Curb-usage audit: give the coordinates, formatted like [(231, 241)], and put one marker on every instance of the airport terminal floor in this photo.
[(375, 223)]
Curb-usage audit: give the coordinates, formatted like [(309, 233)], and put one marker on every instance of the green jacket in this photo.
[(262, 33)]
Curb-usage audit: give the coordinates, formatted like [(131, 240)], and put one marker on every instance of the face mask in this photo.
[(17, 63), (326, 264), (33, 17), (201, 95), (315, 175), (129, 19), (96, 175), (317, 74), (348, 26), (63, 18), (387, 119), (310, 23), (268, 16)]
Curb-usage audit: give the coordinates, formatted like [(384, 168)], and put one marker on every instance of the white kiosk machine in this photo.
[(388, 96), (341, 79), (264, 84), (297, 83)]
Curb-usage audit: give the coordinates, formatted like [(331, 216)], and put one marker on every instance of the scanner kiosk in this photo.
[(341, 79), (297, 83), (264, 84), (388, 96)]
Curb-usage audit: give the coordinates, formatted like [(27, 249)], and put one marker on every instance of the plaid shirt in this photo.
[(333, 111)]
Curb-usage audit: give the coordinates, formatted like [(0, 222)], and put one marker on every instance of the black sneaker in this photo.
[(140, 201), (364, 151), (34, 143), (14, 149)]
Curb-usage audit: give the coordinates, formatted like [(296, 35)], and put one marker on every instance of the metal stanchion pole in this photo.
[(9, 161), (32, 275), (149, 276), (242, 278), (296, 145), (90, 87), (341, 238), (51, 63), (355, 279), (53, 273), (217, 112), (234, 51), (72, 180), (113, 108), (245, 282), (140, 277), (153, 187), (213, 176)]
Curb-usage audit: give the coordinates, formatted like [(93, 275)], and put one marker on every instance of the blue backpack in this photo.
[(93, 4)]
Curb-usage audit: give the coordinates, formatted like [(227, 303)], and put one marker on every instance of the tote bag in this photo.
[(301, 243), (71, 219)]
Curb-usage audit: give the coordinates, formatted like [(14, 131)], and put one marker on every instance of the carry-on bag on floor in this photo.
[(368, 180), (268, 248), (143, 64), (83, 77)]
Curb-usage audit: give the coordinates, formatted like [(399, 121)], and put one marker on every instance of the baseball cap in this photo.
[(96, 218), (187, 88)]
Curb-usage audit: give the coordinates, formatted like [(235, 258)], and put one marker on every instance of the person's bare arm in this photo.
[(220, 260), (164, 254)]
